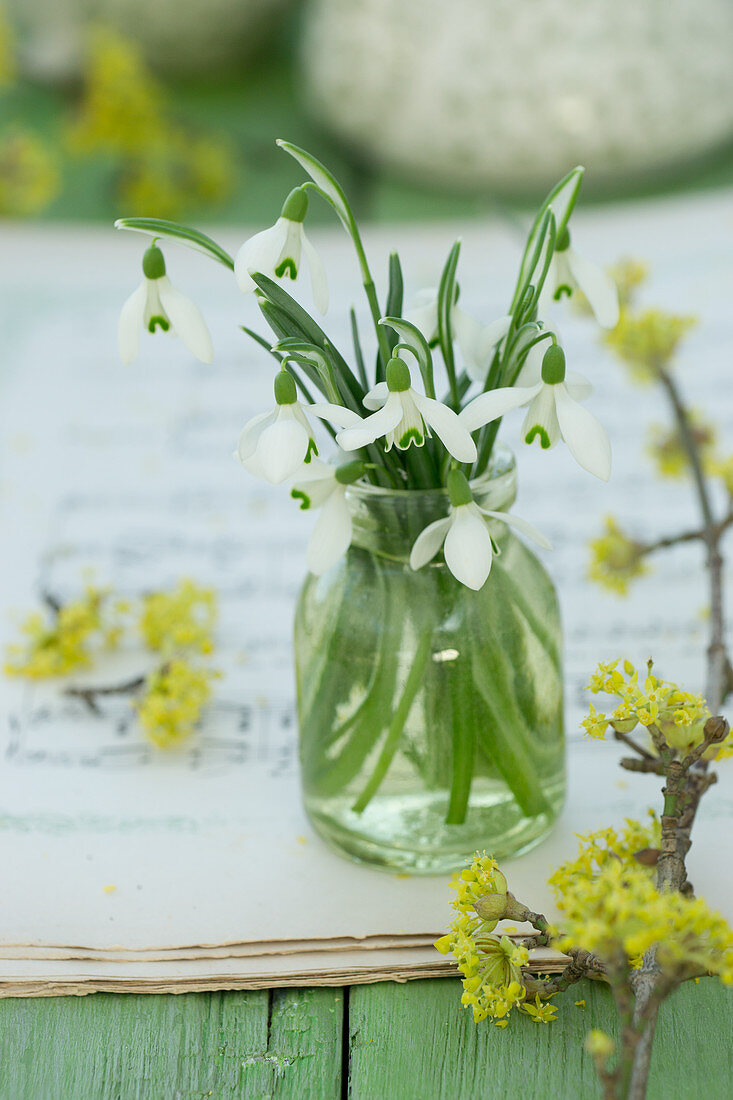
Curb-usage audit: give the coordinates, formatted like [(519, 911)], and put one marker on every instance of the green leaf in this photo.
[(414, 340), (358, 354), (562, 199), (395, 295), (326, 184), (294, 321), (446, 300), (157, 227)]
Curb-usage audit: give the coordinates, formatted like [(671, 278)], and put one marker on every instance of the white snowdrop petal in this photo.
[(428, 543), (467, 549), (598, 287), (423, 313), (541, 419), (260, 253), (467, 331), (410, 429), (130, 323), (489, 337), (531, 372), (319, 282), (449, 428), (251, 433), (282, 447), (187, 321), (372, 427), (377, 396), (520, 525), (336, 414), (578, 386), (331, 535), (586, 438), (495, 403)]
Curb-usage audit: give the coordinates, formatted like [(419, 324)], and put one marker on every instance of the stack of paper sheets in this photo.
[(128, 868)]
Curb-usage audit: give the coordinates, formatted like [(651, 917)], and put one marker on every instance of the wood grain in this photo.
[(404, 1042)]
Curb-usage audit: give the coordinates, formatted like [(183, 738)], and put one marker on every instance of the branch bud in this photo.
[(716, 729)]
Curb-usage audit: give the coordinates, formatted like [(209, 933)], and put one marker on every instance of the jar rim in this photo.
[(503, 462)]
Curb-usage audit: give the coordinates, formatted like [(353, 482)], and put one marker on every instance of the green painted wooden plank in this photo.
[(135, 1047), (415, 1041)]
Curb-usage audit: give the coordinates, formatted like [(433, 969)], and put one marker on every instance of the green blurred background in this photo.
[(107, 121)]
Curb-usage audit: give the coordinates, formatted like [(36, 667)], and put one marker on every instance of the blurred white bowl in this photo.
[(503, 92)]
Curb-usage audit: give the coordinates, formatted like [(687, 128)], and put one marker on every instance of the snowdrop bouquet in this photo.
[(414, 422)]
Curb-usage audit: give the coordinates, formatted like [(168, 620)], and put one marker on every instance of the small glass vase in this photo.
[(431, 716)]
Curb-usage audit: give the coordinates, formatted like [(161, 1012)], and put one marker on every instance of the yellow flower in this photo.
[(616, 559), (597, 849), (599, 1045), (29, 176), (667, 451), (182, 619), (621, 912), (61, 641), (647, 341), (172, 701), (542, 1012), (680, 716)]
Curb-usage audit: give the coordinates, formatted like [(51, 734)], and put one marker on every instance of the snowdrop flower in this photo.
[(275, 444), (157, 304), (319, 485), (476, 341), (567, 271), (403, 417), (553, 413), (276, 251), (465, 536)]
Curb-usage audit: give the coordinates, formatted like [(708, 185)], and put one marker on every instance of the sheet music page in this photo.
[(129, 471)]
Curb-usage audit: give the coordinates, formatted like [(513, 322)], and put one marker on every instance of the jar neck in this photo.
[(386, 522)]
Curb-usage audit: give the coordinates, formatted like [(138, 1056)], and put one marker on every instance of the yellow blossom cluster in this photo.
[(620, 913), (172, 701), (667, 451), (29, 176), (646, 341), (616, 558), (679, 715), (162, 164), (182, 619), (491, 965), (59, 641), (598, 849)]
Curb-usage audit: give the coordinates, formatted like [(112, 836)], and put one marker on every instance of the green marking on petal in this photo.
[(287, 267), (537, 430), (412, 435), (563, 291), (305, 500), (158, 322), (312, 449)]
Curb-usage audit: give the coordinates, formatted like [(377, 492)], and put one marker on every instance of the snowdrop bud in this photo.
[(153, 263), (459, 491), (398, 376), (295, 206), (285, 392), (553, 365), (350, 472), (562, 241)]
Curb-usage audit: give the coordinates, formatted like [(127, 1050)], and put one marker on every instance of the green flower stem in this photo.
[(464, 741), (508, 750), (392, 740)]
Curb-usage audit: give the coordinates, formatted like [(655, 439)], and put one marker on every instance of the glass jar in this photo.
[(431, 716)]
